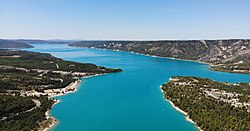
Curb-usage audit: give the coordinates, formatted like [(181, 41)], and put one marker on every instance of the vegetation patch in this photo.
[(211, 105)]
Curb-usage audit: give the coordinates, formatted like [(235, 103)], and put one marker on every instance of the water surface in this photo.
[(126, 101)]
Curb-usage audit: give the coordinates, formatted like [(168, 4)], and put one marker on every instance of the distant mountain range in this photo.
[(24, 43), (42, 41), (13, 44), (223, 55)]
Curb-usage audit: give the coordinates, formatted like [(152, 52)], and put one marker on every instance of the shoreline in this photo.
[(49, 118), (52, 120), (71, 88), (187, 118), (179, 59), (172, 58)]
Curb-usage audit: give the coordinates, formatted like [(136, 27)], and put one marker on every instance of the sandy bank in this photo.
[(50, 121)]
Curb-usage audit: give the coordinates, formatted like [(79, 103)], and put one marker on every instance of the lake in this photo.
[(126, 101)]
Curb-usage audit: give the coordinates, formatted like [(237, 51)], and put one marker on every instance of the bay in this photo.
[(126, 101)]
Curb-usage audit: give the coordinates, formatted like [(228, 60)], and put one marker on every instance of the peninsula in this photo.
[(26, 89)]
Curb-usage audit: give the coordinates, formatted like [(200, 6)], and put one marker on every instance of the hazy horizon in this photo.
[(120, 39), (125, 20)]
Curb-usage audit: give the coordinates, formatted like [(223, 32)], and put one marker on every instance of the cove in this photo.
[(126, 101)]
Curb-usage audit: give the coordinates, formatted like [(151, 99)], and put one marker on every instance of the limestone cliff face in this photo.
[(235, 52)]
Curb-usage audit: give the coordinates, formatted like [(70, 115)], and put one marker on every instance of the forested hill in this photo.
[(44, 61), (224, 55), (13, 44)]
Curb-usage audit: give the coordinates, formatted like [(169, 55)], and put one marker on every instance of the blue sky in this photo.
[(124, 19)]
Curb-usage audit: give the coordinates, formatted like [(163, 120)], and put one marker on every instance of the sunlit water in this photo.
[(126, 101)]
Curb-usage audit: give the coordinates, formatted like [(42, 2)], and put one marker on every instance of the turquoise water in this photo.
[(126, 101)]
